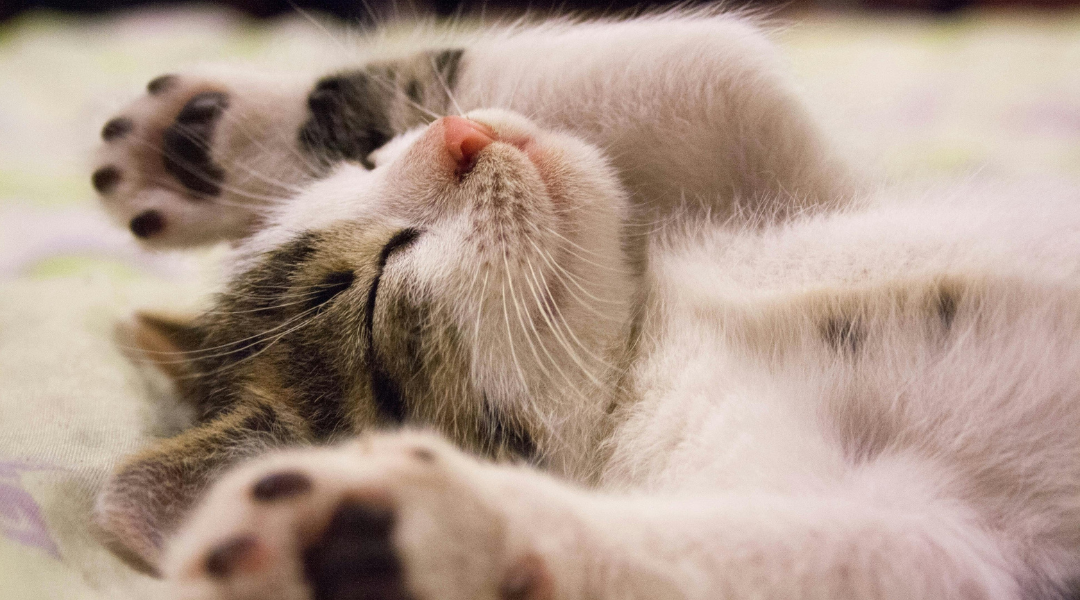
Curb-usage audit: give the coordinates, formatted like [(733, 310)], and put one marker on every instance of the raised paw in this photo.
[(401, 517), (198, 158)]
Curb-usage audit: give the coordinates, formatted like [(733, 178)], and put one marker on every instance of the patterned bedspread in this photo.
[(975, 97)]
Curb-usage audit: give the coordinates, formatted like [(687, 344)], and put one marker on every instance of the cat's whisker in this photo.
[(584, 250), (233, 345), (321, 27), (175, 186), (531, 332), (446, 88), (541, 281), (479, 311), (399, 93), (510, 338), (524, 329), (200, 353), (269, 344), (302, 298), (556, 330), (306, 161), (571, 278)]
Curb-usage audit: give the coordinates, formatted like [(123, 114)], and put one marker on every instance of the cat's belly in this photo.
[(796, 387)]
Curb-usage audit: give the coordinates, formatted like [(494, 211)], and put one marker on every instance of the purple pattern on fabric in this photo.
[(20, 517)]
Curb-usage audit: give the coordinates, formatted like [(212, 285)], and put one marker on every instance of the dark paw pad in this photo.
[(147, 224), (117, 128), (161, 84), (355, 559), (105, 179), (186, 144)]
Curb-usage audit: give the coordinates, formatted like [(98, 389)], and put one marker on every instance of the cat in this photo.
[(661, 343), (209, 156)]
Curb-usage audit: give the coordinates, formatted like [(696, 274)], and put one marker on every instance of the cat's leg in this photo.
[(151, 492), (202, 156), (408, 517)]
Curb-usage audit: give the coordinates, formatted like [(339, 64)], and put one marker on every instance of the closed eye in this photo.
[(385, 391), (400, 240)]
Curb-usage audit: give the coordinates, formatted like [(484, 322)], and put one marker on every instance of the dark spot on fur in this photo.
[(946, 307), (117, 128), (263, 287), (843, 335), (355, 557), (264, 420), (105, 179), (313, 373), (412, 90), (350, 111), (186, 144), (280, 486), (221, 560), (147, 224), (447, 63), (386, 393), (349, 118), (505, 432), (331, 285), (161, 84)]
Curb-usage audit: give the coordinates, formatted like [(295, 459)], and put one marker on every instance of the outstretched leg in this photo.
[(407, 516), (152, 492)]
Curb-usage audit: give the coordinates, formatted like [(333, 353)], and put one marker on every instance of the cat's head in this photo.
[(474, 282)]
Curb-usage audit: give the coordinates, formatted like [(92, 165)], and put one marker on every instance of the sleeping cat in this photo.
[(632, 269)]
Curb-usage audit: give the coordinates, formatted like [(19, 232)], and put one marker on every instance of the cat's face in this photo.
[(473, 281)]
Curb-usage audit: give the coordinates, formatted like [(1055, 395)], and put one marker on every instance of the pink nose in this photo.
[(465, 139)]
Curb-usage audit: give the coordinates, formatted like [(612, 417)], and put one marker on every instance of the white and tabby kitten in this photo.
[(779, 390)]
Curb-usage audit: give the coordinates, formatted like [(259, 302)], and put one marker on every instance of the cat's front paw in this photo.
[(197, 158), (402, 517)]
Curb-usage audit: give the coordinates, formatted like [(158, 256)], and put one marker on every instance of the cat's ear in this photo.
[(165, 341)]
